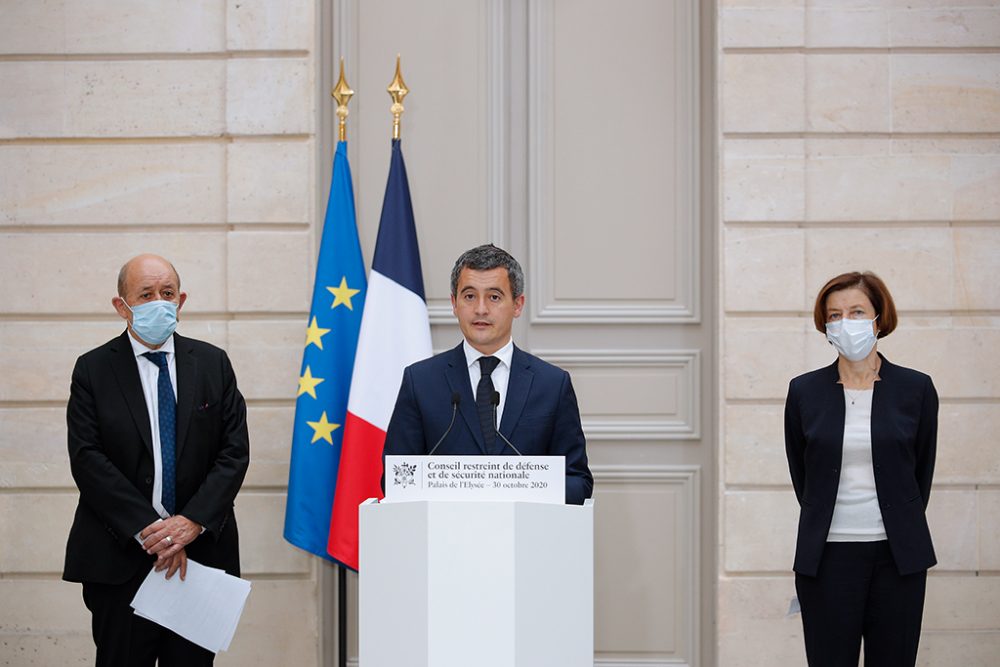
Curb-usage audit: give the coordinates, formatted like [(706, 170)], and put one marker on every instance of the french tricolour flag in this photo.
[(395, 332)]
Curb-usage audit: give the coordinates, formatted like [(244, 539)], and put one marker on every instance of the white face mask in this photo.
[(854, 339)]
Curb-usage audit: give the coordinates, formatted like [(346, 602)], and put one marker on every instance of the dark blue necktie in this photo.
[(167, 411), (484, 401)]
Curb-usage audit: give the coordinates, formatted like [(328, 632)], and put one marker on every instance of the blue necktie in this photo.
[(167, 412)]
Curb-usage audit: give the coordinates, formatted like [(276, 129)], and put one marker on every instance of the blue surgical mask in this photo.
[(854, 339), (154, 321)]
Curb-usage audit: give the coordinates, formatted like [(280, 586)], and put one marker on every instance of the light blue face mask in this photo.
[(154, 321)]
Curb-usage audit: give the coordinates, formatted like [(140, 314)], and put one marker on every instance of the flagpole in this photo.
[(342, 93)]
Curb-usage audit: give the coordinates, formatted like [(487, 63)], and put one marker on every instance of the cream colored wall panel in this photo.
[(270, 444), (989, 537), (958, 603), (446, 128), (634, 395), (764, 180), (33, 447), (977, 265), (764, 269), (51, 607), (866, 187), (946, 93), (763, 92), (755, 629), (38, 523), (269, 182), (267, 356), (946, 144), (130, 184), (585, 212), (646, 524), (761, 4), (976, 183), (755, 445), (969, 649), (933, 4), (767, 27), (748, 358), (279, 626), (262, 25), (963, 456), (952, 516), (43, 623), (111, 26), (847, 26), (972, 373), (262, 549), (36, 359), (917, 264), (951, 28), (73, 286), (269, 96), (266, 271), (847, 93), (170, 98), (752, 545)]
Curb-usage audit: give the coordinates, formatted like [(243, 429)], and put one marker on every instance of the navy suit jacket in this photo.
[(111, 458), (904, 442), (540, 415)]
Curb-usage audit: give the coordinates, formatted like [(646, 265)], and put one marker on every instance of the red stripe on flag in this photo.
[(357, 480)]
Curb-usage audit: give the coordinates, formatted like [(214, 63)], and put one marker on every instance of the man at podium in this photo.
[(486, 395)]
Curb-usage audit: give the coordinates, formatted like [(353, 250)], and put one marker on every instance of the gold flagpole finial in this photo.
[(342, 94), (397, 90)]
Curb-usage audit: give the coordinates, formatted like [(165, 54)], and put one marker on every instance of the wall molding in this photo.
[(687, 365), (688, 479), (544, 306)]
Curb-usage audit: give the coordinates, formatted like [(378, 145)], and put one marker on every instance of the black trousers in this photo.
[(858, 593), (126, 640)]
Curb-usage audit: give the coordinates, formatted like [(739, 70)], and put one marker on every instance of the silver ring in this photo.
[(169, 539)]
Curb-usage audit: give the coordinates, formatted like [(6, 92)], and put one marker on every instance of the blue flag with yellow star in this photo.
[(327, 362)]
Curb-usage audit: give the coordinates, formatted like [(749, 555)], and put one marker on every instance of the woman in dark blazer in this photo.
[(860, 436)]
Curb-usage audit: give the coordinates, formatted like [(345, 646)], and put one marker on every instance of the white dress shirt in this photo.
[(856, 514), (500, 375), (149, 375)]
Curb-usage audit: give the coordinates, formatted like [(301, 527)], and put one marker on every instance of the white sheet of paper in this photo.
[(205, 608)]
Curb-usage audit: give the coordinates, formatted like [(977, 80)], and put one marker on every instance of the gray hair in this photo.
[(485, 258)]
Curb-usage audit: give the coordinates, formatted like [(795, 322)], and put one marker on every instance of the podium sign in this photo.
[(539, 479)]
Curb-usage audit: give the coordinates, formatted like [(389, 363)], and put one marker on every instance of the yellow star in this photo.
[(323, 429), (307, 383), (342, 294), (314, 334)]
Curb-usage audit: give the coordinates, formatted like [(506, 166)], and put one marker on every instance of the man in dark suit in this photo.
[(158, 447), (537, 410)]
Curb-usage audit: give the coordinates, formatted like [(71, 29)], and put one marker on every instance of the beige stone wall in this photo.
[(185, 128), (859, 134)]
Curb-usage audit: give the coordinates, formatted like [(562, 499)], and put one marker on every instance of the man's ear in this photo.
[(120, 307), (181, 298), (518, 305)]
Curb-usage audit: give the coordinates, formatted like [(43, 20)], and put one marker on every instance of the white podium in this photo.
[(490, 584)]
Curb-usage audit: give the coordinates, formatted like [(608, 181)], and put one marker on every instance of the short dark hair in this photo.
[(874, 289), (485, 258)]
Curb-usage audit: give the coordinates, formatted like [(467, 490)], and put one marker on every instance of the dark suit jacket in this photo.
[(111, 457), (540, 414), (904, 441)]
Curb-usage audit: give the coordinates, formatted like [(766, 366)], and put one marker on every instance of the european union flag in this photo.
[(327, 363)]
